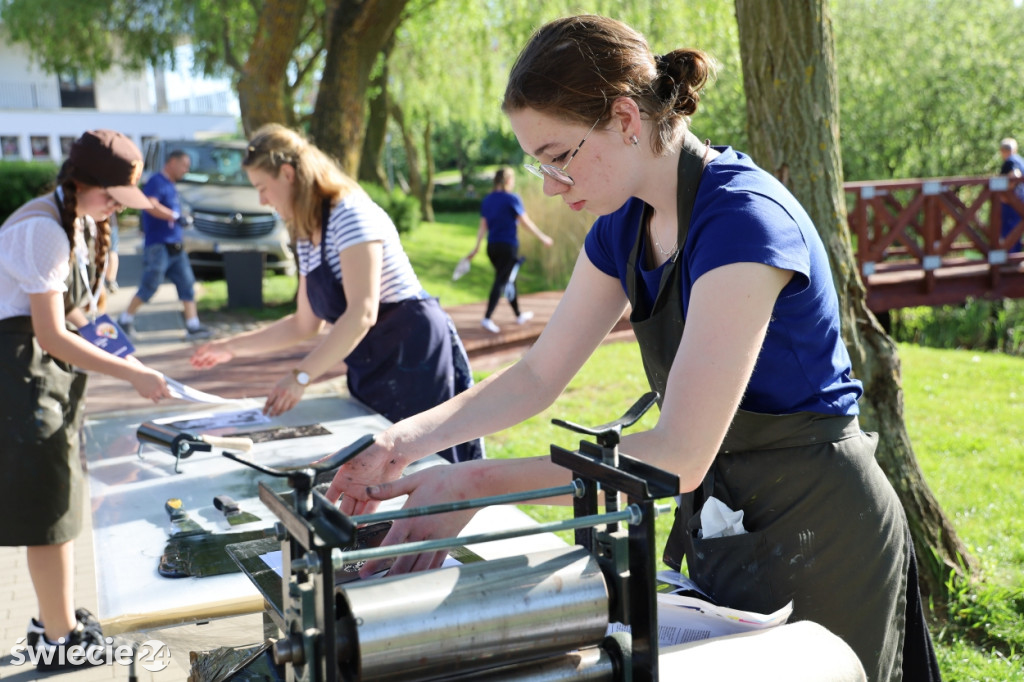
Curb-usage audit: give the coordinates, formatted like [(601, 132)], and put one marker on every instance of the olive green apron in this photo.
[(41, 401), (825, 528)]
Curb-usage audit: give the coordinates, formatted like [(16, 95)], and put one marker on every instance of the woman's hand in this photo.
[(373, 466), (546, 240), (149, 383), (210, 354), (430, 486), (286, 394)]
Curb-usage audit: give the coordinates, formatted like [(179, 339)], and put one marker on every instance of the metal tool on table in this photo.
[(232, 512), (181, 522), (193, 551), (538, 616), (182, 444)]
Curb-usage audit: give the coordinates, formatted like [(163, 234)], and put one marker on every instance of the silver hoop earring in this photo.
[(635, 140)]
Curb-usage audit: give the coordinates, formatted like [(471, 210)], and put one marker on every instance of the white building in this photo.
[(41, 113)]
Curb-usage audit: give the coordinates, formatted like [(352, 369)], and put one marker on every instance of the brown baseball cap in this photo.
[(109, 159)]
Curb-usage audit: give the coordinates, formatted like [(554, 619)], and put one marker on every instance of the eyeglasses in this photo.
[(559, 174)]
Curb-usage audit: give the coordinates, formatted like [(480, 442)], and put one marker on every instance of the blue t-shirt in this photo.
[(501, 210), (742, 214), (159, 231), (1012, 163)]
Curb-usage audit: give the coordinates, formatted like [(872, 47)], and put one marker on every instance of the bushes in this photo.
[(22, 181), (978, 324), (403, 208)]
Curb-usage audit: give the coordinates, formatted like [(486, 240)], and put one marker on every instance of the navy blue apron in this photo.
[(411, 360)]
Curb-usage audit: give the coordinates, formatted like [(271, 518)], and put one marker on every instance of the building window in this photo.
[(77, 90), (65, 145), (9, 147), (40, 146)]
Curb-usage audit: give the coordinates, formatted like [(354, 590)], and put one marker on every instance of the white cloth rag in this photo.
[(718, 521)]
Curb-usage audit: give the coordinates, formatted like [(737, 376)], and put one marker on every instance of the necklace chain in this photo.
[(650, 222), (654, 235)]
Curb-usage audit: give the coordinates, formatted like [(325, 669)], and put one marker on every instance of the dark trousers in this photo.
[(503, 257)]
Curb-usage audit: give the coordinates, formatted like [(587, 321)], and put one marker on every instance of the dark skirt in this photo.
[(411, 360), (41, 411)]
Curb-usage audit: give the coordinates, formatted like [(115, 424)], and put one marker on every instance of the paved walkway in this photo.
[(161, 344)]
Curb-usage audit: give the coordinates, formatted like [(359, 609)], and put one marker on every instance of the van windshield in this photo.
[(215, 164)]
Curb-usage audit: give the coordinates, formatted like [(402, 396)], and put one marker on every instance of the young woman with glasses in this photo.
[(737, 320)]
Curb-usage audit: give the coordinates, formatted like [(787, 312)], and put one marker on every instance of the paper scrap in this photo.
[(186, 392)]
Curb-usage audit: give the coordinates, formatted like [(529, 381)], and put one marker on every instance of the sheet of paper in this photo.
[(186, 392), (222, 420), (685, 619), (679, 584), (273, 562)]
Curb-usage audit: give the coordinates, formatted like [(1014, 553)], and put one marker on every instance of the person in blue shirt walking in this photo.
[(164, 254), (501, 213)]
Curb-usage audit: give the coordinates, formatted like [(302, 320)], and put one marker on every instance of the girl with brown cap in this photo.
[(53, 254)]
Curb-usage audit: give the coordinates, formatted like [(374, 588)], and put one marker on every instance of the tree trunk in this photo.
[(358, 31), (412, 154), (427, 197), (789, 76), (371, 164), (264, 78)]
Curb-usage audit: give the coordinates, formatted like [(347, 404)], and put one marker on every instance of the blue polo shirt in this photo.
[(159, 231)]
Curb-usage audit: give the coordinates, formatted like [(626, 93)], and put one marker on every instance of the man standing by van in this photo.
[(164, 253)]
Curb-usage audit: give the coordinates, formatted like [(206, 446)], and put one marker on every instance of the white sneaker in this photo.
[(488, 324), (525, 317)]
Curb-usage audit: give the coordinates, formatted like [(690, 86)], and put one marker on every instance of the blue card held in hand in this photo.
[(104, 333)]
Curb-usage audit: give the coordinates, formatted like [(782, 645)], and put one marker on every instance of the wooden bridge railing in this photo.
[(936, 241)]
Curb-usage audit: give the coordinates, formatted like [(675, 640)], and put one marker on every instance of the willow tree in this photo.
[(789, 74)]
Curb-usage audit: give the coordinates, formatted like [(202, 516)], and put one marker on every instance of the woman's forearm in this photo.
[(345, 335), (283, 333)]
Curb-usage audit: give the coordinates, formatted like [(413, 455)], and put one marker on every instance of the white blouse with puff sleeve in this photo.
[(34, 256)]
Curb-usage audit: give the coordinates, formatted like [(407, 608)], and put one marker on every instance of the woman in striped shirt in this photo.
[(401, 349)]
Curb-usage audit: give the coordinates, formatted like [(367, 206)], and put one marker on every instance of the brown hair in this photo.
[(68, 216), (501, 178), (317, 176), (575, 67)]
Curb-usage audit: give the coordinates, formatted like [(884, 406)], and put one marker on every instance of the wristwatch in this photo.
[(301, 378)]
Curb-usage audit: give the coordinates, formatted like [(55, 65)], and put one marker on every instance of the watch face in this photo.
[(302, 378)]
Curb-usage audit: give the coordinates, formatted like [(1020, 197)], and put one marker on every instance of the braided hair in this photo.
[(69, 216)]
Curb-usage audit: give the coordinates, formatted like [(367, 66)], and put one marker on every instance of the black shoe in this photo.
[(34, 634), (82, 648), (35, 628)]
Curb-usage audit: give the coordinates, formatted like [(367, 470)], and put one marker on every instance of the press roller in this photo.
[(471, 617)]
